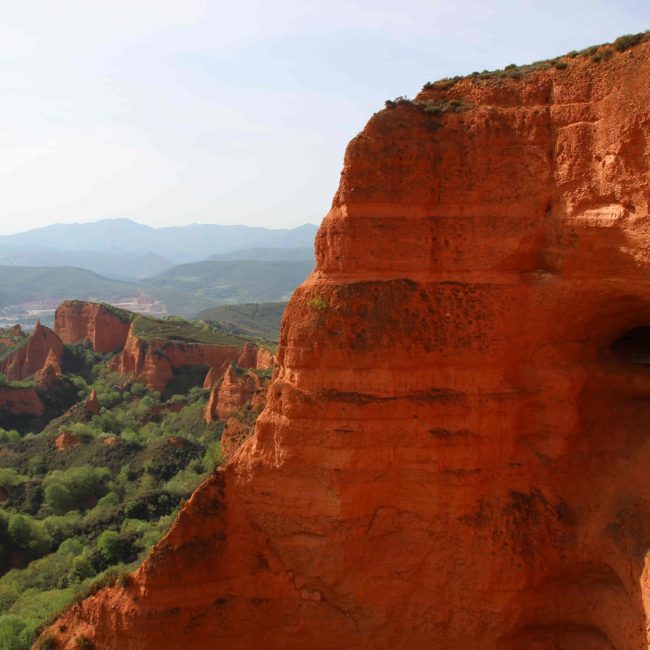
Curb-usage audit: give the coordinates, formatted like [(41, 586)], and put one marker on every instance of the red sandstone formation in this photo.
[(455, 447), (50, 371), (237, 387), (66, 440), (238, 399), (234, 435), (103, 327), (43, 348), (251, 356), (255, 357), (265, 359), (91, 405), (215, 374), (20, 401), (210, 412), (153, 362)]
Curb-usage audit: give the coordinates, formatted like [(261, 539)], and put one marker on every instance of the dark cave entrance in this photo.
[(633, 346)]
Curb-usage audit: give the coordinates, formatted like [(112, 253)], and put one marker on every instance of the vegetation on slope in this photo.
[(175, 328), (202, 285), (23, 283), (86, 514), (596, 53), (259, 320)]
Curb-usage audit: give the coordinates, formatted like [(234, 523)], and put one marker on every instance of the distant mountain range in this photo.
[(305, 253), (125, 238), (182, 270), (113, 265), (22, 284)]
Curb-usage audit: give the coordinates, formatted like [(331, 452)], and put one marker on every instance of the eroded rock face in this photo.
[(104, 328), (153, 362), (66, 440), (236, 389), (20, 402), (253, 356), (238, 399), (454, 450), (91, 405), (40, 350)]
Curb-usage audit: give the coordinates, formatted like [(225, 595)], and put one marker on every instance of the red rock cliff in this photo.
[(103, 327), (153, 361), (20, 401), (40, 350), (454, 450)]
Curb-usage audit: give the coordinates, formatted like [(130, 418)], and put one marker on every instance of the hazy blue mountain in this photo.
[(179, 243), (113, 265), (304, 253), (20, 284)]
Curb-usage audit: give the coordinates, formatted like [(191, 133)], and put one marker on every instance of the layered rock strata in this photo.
[(454, 451), (104, 327)]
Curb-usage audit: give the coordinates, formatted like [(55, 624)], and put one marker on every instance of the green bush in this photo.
[(13, 635), (58, 498), (10, 478)]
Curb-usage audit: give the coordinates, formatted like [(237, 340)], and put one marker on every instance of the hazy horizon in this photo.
[(169, 113), (157, 227)]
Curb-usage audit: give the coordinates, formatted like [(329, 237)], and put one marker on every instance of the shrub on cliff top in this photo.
[(627, 41), (512, 71)]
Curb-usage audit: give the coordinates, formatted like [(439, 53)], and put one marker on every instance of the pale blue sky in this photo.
[(172, 112)]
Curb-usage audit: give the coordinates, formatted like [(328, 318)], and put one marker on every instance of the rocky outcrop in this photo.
[(455, 446), (91, 405), (210, 412), (253, 356), (19, 402), (236, 432), (238, 399), (104, 327), (236, 389), (142, 361), (66, 440), (215, 375), (154, 361), (50, 371), (38, 351), (16, 331)]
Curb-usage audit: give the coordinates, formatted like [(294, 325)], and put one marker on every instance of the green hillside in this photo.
[(178, 329), (19, 284), (78, 516), (260, 320), (202, 285)]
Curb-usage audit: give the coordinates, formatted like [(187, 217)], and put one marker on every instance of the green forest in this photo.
[(76, 518)]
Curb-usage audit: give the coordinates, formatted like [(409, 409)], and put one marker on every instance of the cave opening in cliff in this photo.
[(633, 346)]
